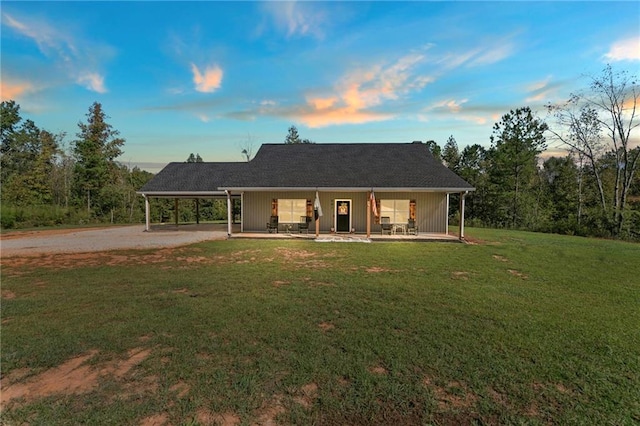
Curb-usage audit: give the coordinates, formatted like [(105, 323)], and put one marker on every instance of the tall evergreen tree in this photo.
[(292, 136), (451, 154), (516, 142), (96, 149)]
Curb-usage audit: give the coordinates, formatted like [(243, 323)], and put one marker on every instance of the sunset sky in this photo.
[(211, 77)]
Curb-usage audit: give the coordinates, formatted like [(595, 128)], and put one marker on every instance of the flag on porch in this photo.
[(374, 207), (317, 208)]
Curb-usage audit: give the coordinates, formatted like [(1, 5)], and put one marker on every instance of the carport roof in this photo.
[(391, 166)]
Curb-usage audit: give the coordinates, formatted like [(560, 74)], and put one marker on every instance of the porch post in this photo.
[(176, 211), (197, 211), (146, 213), (229, 213), (242, 211), (369, 216), (461, 230)]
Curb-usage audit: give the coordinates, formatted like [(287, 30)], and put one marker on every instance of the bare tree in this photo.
[(247, 146), (601, 122)]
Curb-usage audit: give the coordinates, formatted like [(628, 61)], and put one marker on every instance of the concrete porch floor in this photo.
[(324, 236), (357, 237)]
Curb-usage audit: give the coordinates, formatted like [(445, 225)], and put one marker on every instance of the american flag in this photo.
[(374, 208), (317, 208)]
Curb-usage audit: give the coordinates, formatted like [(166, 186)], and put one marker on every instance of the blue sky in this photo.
[(212, 77)]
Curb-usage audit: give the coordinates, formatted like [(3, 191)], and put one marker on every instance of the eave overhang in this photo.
[(182, 194), (343, 189)]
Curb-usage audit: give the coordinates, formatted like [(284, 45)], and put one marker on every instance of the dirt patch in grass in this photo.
[(59, 261), (155, 420), (326, 326), (453, 396), (12, 235), (206, 417), (460, 275), (379, 370), (500, 258), (377, 269), (7, 294), (518, 274), (267, 413), (74, 376), (308, 394)]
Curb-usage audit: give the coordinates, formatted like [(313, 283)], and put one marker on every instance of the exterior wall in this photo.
[(431, 209)]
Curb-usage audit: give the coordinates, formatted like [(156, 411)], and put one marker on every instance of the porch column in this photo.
[(176, 211), (146, 213), (242, 211), (229, 213), (369, 216), (461, 230), (197, 211)]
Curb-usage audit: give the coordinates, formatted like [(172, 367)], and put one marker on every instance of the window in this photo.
[(396, 210), (290, 211)]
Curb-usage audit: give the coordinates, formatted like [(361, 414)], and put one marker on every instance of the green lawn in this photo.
[(518, 328)]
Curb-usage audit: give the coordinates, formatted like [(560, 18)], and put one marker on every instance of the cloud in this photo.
[(489, 53), (79, 58), (297, 18), (209, 81), (624, 50), (359, 92), (14, 90), (92, 81), (451, 109)]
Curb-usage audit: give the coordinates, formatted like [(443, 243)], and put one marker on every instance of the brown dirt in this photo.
[(376, 270), (205, 417), (155, 420), (500, 258), (454, 396), (12, 235), (518, 274), (460, 275), (74, 376), (60, 261), (378, 369), (326, 326), (308, 393), (266, 415)]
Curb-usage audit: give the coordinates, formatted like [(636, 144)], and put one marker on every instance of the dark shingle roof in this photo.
[(193, 177), (373, 165)]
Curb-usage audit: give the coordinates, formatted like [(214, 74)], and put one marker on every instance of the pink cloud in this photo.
[(208, 82), (361, 90), (9, 90), (624, 50)]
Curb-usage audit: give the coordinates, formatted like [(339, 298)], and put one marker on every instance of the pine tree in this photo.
[(96, 149)]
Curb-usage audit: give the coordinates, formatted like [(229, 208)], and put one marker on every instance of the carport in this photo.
[(193, 181)]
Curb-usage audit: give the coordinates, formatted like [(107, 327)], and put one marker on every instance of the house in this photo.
[(282, 180)]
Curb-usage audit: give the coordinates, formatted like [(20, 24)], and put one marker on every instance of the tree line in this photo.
[(593, 190), (45, 182)]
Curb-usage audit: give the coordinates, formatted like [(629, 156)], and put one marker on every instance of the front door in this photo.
[(343, 215)]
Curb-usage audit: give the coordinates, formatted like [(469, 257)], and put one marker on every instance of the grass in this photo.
[(520, 328)]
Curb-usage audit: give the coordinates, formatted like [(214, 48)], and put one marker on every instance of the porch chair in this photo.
[(304, 224), (412, 228), (272, 224), (385, 225)]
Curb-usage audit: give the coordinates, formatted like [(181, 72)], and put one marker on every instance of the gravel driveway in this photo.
[(35, 243)]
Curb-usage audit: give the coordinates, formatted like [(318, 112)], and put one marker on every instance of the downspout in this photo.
[(146, 213), (229, 213), (461, 230)]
